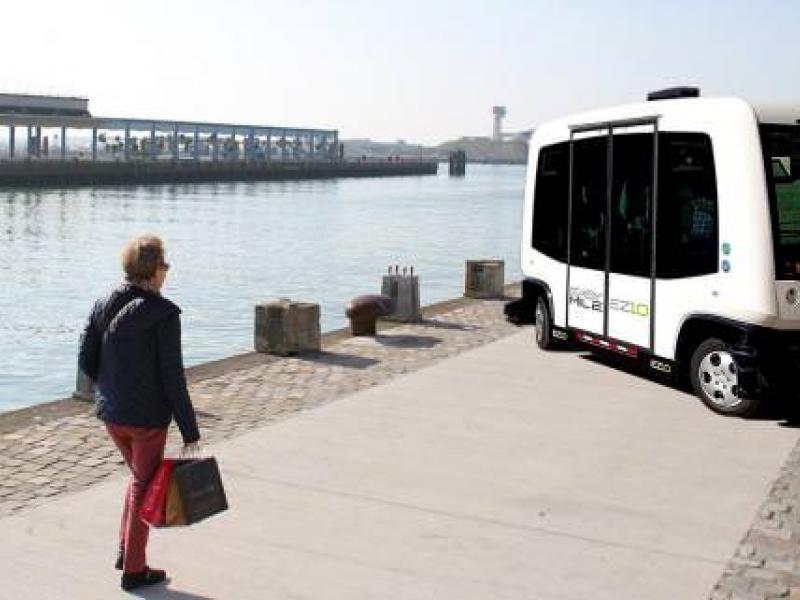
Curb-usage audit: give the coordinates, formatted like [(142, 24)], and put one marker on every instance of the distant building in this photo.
[(29, 104), (519, 136), (499, 113)]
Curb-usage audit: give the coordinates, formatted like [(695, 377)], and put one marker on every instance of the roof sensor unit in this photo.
[(673, 93)]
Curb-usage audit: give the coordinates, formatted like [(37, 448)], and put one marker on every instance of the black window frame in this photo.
[(546, 236), (587, 249), (624, 262), (675, 260), (783, 258)]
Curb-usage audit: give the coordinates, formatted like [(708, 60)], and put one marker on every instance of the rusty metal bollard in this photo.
[(363, 312)]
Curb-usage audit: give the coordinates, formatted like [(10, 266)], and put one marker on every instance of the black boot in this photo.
[(131, 581)]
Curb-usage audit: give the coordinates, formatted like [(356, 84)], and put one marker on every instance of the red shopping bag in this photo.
[(153, 508)]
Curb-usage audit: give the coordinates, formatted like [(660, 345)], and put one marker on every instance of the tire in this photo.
[(713, 374), (543, 326)]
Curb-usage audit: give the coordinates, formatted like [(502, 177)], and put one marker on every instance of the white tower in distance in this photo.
[(499, 113)]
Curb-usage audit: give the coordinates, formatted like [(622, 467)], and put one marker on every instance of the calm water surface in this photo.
[(231, 245)]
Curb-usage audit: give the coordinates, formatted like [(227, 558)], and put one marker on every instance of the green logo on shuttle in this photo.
[(592, 300)]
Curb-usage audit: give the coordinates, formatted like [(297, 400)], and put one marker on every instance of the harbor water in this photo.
[(230, 246)]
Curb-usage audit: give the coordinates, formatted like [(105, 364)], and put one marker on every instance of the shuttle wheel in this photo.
[(715, 379), (544, 326)]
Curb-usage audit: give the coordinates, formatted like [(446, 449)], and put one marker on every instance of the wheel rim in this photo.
[(539, 322), (719, 379)]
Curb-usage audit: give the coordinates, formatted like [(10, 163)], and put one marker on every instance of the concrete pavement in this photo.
[(504, 472)]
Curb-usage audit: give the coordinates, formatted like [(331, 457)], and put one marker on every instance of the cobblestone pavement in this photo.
[(40, 461), (767, 562)]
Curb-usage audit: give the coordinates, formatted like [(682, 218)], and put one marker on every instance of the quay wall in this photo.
[(82, 173), (42, 413)]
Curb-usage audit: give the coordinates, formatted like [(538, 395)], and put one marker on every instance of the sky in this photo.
[(422, 71)]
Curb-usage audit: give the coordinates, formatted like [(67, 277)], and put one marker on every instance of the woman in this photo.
[(131, 348)]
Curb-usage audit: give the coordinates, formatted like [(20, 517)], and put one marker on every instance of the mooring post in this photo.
[(215, 145), (458, 162), (126, 149), (286, 327), (484, 279), (404, 292), (336, 145), (84, 387)]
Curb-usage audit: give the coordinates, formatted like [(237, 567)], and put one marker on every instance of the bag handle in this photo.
[(195, 451)]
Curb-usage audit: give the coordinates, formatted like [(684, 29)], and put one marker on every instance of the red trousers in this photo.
[(142, 448)]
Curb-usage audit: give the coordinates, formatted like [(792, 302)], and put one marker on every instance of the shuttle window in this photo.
[(589, 203), (688, 238), (631, 201), (551, 201), (781, 144)]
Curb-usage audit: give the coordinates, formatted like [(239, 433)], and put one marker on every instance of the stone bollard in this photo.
[(404, 292), (84, 388), (484, 279), (285, 327)]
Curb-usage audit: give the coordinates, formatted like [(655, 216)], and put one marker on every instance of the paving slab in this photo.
[(503, 472)]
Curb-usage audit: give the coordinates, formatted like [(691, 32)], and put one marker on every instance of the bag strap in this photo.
[(111, 312)]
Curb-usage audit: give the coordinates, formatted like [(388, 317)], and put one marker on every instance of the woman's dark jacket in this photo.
[(131, 348)]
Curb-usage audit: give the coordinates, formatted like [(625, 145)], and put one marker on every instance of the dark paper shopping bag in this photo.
[(173, 515), (152, 510), (200, 489)]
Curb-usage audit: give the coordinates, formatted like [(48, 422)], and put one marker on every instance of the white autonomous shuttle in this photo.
[(669, 232)]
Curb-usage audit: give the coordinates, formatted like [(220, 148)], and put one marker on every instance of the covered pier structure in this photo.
[(55, 140), (57, 137)]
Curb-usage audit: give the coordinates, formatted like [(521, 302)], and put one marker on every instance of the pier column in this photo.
[(127, 143), (11, 139), (251, 142), (176, 147), (215, 145), (311, 146), (38, 142), (29, 145), (152, 142), (196, 144), (234, 148), (335, 152), (94, 143), (63, 143), (269, 144)]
